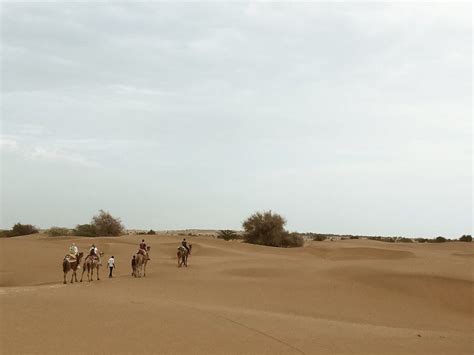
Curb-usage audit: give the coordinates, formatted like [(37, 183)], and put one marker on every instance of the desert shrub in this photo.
[(267, 228), (353, 237), (421, 240), (466, 238), (22, 229), (405, 240), (4, 233), (438, 240), (227, 234), (106, 225), (85, 230), (292, 240), (319, 238), (58, 231), (151, 232)]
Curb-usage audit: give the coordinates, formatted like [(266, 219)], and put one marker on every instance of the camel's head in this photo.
[(148, 248), (80, 255)]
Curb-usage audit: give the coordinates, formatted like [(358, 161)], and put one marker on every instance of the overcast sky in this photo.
[(344, 118)]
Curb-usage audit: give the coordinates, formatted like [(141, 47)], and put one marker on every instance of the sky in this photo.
[(343, 117)]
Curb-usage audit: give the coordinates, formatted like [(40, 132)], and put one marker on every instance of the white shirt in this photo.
[(111, 262)]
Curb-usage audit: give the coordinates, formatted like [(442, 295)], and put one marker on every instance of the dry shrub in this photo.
[(267, 228), (22, 229), (58, 231), (227, 234), (85, 230)]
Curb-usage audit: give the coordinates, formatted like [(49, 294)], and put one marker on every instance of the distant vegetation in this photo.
[(58, 231), (150, 232), (228, 234), (267, 228), (466, 238), (85, 230), (102, 224), (19, 229)]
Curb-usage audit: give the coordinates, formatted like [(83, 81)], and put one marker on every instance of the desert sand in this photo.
[(342, 297)]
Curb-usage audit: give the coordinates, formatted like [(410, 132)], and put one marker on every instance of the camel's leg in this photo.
[(65, 278), (98, 272), (75, 275), (83, 270), (72, 276)]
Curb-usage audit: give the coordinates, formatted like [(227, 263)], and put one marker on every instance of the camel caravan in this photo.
[(93, 261)]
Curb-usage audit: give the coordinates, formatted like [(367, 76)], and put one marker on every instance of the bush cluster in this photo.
[(227, 234), (267, 228), (20, 229), (319, 238), (58, 232)]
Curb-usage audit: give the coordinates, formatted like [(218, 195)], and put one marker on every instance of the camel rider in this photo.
[(73, 250), (184, 243), (93, 251), (142, 249)]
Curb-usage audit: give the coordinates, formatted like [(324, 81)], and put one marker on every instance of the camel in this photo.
[(90, 264), (183, 255), (140, 263), (69, 265)]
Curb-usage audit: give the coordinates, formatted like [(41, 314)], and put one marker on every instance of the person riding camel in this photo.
[(73, 250), (94, 252), (143, 250), (73, 253), (184, 243)]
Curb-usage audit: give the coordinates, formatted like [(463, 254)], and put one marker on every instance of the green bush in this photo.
[(22, 229), (405, 240), (466, 238), (227, 234), (58, 231), (151, 232), (267, 228), (319, 238), (85, 230), (421, 240)]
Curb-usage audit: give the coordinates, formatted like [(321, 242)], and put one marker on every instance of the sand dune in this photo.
[(343, 297)]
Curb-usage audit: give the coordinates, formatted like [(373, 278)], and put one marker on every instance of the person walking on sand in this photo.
[(111, 264), (134, 265)]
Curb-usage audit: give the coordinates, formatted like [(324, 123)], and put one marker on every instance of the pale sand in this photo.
[(344, 297)]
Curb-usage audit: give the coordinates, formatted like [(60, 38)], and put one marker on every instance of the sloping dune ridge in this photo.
[(341, 297)]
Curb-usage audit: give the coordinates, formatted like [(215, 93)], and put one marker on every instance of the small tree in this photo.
[(267, 228), (106, 225), (151, 232), (23, 229), (466, 238)]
